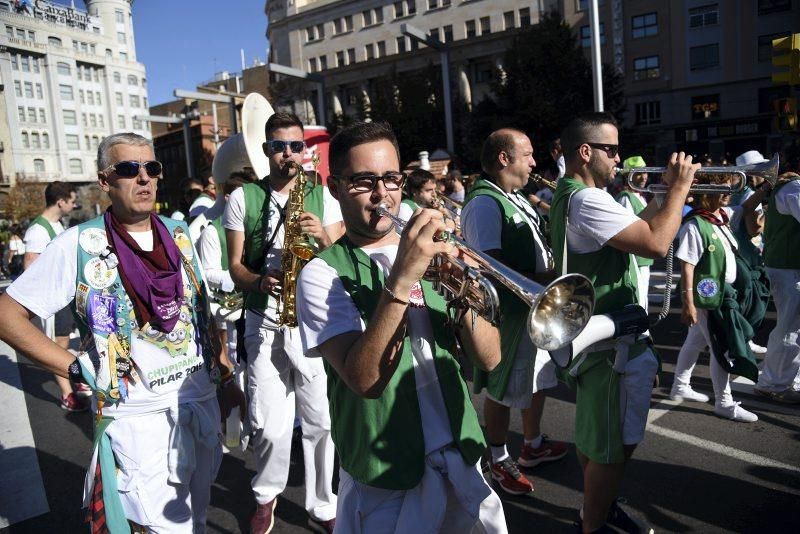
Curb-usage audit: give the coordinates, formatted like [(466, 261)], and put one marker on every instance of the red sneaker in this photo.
[(83, 390), (264, 518), (507, 475), (73, 403), (548, 451)]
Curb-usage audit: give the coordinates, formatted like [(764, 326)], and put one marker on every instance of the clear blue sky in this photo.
[(185, 42)]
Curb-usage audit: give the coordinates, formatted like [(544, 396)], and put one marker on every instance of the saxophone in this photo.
[(297, 249)]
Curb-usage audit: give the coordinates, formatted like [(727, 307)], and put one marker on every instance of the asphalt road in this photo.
[(694, 471)]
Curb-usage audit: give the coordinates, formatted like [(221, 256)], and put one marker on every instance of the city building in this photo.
[(697, 72), (69, 78)]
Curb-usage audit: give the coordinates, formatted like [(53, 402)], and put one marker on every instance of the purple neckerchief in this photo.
[(152, 279)]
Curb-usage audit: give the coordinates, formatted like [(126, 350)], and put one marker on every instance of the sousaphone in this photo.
[(244, 150)]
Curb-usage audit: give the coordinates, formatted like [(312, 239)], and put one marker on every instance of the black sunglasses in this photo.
[(276, 145), (362, 183), (610, 150), (130, 169)]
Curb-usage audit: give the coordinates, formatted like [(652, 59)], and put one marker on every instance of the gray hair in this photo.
[(127, 138)]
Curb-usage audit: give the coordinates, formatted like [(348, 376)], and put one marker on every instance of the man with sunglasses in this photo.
[(499, 220), (613, 380), (279, 377), (138, 295), (406, 433)]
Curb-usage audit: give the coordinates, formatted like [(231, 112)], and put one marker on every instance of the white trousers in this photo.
[(452, 497), (165, 475), (644, 286), (696, 340), (782, 362), (281, 380)]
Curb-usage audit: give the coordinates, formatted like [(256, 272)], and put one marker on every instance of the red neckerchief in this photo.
[(709, 216)]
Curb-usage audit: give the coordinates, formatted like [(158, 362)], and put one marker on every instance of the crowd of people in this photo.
[(183, 324)]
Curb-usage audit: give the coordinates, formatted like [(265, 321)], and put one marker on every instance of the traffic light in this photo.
[(786, 53), (786, 118)]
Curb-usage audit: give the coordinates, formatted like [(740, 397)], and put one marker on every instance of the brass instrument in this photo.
[(452, 209), (559, 312), (297, 248), (229, 303), (767, 170), (542, 182)]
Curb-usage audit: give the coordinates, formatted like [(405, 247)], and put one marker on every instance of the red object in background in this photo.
[(317, 140)]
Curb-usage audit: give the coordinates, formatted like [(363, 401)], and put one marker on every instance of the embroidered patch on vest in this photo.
[(80, 298), (93, 241), (415, 298), (98, 274), (707, 287), (183, 242), (101, 312)]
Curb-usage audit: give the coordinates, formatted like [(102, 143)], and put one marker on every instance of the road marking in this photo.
[(22, 494)]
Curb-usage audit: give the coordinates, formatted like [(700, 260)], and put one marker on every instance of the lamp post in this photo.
[(210, 97), (186, 119), (444, 54), (303, 75), (597, 66)]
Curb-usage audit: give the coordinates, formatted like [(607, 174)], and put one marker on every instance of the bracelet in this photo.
[(395, 297), (686, 290)]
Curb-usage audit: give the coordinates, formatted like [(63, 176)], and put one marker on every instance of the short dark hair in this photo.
[(455, 174), (236, 180), (498, 141), (354, 135), (186, 182), (581, 129), (417, 179), (281, 119), (56, 191)]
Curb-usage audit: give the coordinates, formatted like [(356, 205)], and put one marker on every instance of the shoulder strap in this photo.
[(44, 223)]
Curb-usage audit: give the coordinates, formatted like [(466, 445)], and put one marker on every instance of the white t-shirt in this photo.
[(325, 310), (482, 225), (594, 218), (36, 236), (210, 254), (690, 246), (458, 196), (200, 204), (787, 200), (625, 201), (167, 364), (405, 212), (16, 246), (234, 220)]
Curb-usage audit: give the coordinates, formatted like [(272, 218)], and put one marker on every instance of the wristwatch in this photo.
[(74, 372)]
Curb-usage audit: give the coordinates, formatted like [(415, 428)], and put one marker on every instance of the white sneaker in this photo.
[(682, 393), (757, 349), (736, 413)]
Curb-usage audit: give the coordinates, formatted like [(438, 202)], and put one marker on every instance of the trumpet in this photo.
[(558, 312), (767, 170), (450, 205), (542, 182)]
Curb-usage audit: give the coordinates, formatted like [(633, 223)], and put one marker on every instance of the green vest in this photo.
[(638, 207), (256, 211), (410, 203), (709, 273), (519, 253), (223, 241), (380, 441), (44, 223), (611, 271), (781, 237)]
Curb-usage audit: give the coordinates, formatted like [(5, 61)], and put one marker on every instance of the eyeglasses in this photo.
[(362, 183), (610, 150), (277, 145), (130, 169)]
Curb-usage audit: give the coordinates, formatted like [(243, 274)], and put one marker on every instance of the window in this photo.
[(75, 166), (405, 8), (109, 53), (39, 91), (705, 107), (21, 113), (26, 143), (144, 102), (123, 56), (17, 88), (508, 20), (93, 120), (35, 143), (312, 64), (351, 56), (38, 165), (24, 62), (9, 32), (438, 4), (310, 35), (434, 34), (66, 92), (648, 113), (401, 44), (121, 38), (121, 121), (70, 118), (87, 142), (144, 82), (42, 116), (340, 59), (469, 27), (644, 25), (368, 51), (119, 15), (31, 35), (137, 124), (85, 119), (132, 80), (35, 63), (765, 45), (20, 34), (765, 7), (315, 33), (704, 16), (97, 98), (323, 64), (343, 25), (586, 35), (381, 49), (371, 17), (63, 68), (28, 90), (91, 97), (134, 101), (31, 114), (448, 33), (54, 41), (646, 68), (73, 142), (46, 140), (117, 77), (486, 26), (118, 98), (484, 71), (704, 57), (14, 64), (95, 141), (101, 121)]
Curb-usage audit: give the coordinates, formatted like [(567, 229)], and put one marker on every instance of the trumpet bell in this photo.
[(561, 311)]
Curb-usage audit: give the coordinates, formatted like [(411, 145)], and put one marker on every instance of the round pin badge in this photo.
[(93, 241), (98, 275), (711, 248), (184, 243), (714, 236), (707, 287)]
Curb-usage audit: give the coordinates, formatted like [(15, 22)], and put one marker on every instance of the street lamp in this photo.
[(209, 97), (303, 75), (186, 119), (420, 36), (597, 66)]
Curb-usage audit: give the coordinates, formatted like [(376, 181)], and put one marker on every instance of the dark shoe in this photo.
[(73, 403), (787, 396), (264, 518), (625, 521), (548, 451), (507, 475)]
